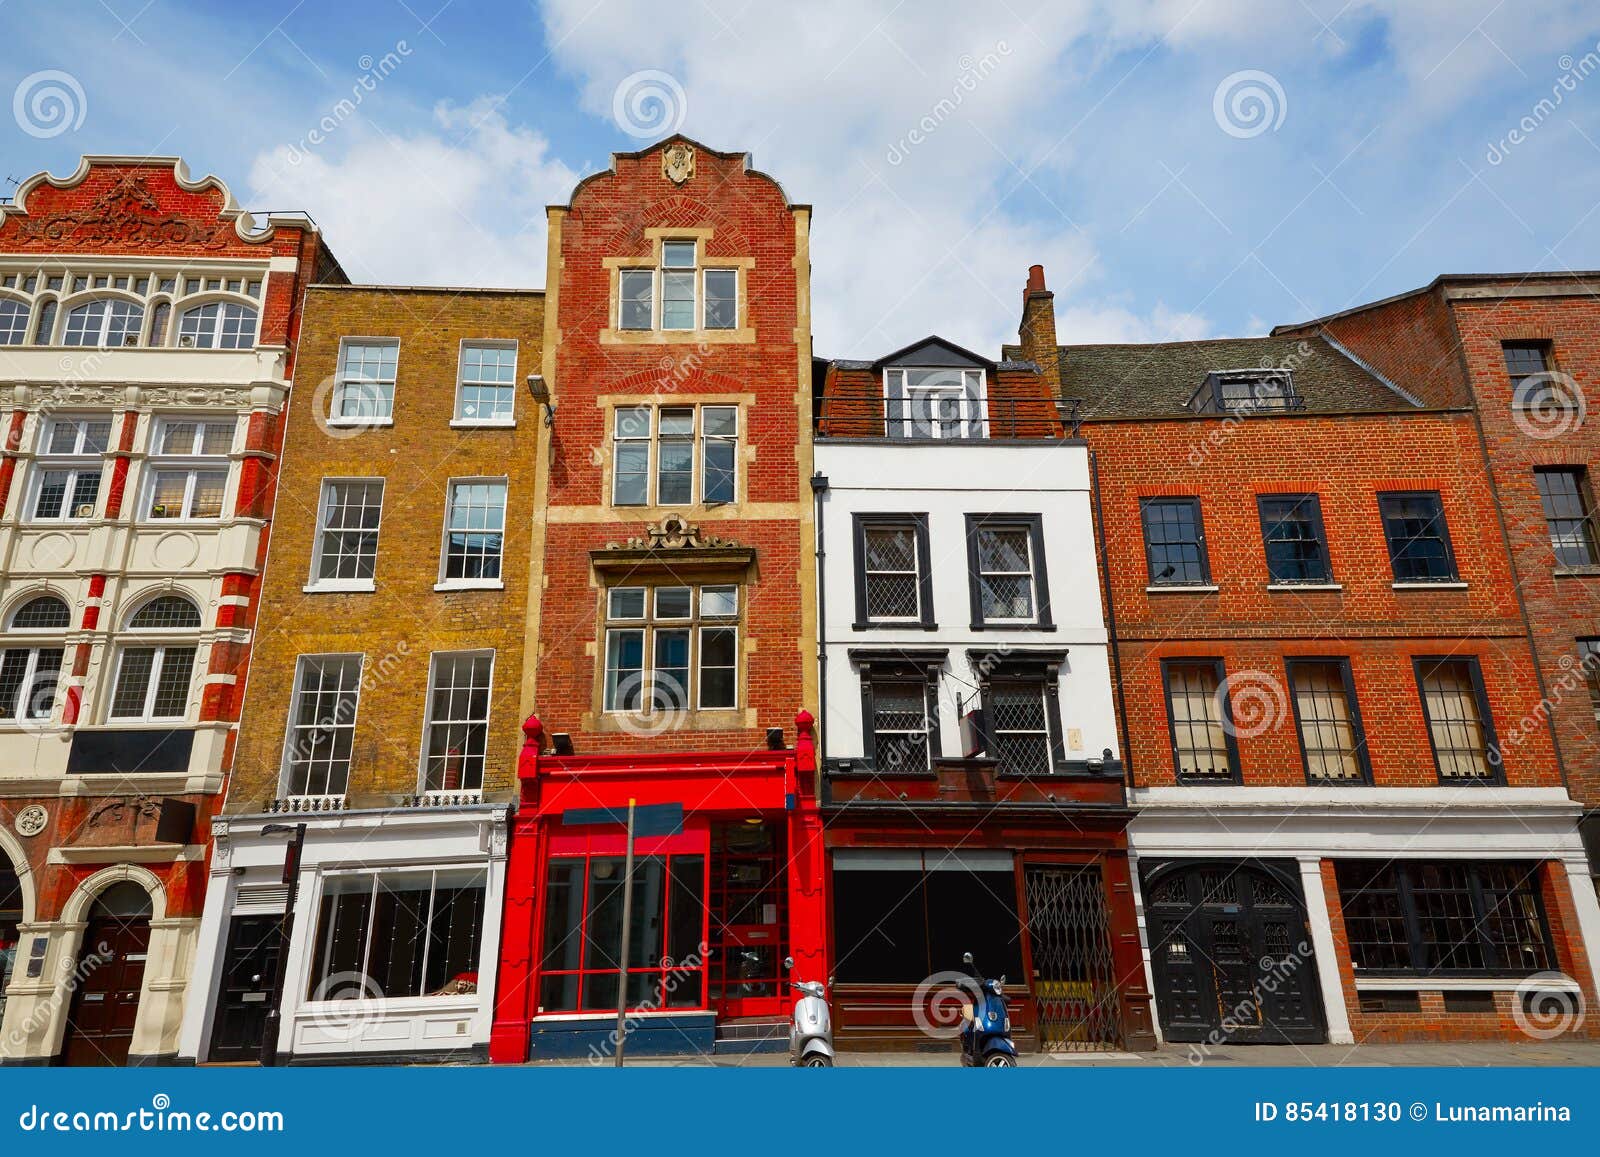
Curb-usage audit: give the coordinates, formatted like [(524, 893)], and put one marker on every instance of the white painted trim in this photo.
[(130, 854), (1461, 984), (1296, 588), (1182, 589), (1324, 952), (1586, 905), (1450, 586)]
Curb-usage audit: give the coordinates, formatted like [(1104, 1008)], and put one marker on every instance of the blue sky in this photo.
[(945, 146)]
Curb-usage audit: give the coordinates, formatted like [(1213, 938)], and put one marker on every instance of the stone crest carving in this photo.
[(677, 163), (31, 820), (128, 216), (674, 533)]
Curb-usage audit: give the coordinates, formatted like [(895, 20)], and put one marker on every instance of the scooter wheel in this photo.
[(1000, 1061), (817, 1061)]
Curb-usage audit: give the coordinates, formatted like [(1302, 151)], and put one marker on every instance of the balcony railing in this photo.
[(933, 417)]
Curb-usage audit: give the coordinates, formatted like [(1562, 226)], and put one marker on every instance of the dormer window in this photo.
[(1247, 392), (935, 402), (691, 295)]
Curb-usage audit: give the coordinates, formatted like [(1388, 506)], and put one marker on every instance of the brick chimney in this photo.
[(1037, 333)]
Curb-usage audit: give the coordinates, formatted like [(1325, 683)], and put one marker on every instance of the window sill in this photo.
[(1011, 625), (483, 424), (1291, 588), (896, 625), (1452, 585), (359, 423), (1423, 983), (353, 586), (1182, 589), (620, 336), (471, 585), (1576, 571)]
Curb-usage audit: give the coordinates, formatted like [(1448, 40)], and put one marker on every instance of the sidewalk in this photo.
[(1473, 1054)]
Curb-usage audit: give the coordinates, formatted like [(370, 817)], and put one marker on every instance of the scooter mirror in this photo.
[(788, 961), (966, 958)]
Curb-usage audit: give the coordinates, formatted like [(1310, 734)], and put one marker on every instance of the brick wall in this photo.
[(763, 366), (1347, 461), (404, 619)]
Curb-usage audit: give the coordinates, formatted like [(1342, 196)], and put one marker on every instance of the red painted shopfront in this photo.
[(716, 909)]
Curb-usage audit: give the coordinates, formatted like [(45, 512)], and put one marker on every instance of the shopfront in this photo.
[(717, 904)]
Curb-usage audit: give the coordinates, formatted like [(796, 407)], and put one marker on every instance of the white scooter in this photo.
[(811, 1034)]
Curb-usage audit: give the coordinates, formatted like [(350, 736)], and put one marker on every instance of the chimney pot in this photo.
[(1036, 279)]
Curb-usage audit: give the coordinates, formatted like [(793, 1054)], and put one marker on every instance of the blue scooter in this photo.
[(986, 1032)]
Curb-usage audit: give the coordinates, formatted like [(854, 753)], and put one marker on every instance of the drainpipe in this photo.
[(819, 487), (1111, 621)]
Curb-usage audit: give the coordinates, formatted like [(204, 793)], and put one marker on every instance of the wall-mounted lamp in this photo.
[(541, 395)]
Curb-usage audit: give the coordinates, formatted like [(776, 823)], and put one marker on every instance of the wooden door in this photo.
[(110, 971), (249, 969)]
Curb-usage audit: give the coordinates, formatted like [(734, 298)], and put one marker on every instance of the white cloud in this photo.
[(463, 204)]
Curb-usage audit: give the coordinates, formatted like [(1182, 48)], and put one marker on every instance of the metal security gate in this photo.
[(1074, 978)]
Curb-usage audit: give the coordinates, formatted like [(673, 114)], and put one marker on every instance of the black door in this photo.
[(248, 970), (1231, 954)]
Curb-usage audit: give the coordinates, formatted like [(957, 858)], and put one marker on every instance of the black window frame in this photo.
[(1313, 508), (1034, 667), (861, 523), (1520, 380), (1352, 704), (1385, 497), (1493, 756), (1405, 892), (1033, 524), (1145, 504), (919, 668), (1578, 477), (1230, 738)]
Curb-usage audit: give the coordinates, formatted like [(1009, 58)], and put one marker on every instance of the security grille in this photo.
[(1019, 730), (900, 726), (1075, 990)]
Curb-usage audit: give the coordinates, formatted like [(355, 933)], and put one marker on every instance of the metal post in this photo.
[(627, 921), (291, 877)]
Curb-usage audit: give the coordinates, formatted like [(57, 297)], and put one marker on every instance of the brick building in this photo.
[(388, 683), (972, 794), (147, 332), (1348, 826), (1524, 351), (673, 633)]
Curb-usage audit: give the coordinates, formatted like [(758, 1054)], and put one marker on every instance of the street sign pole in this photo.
[(627, 923)]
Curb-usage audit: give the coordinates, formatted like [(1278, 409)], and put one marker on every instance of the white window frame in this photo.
[(76, 462), (429, 723), (286, 769), (657, 272), (473, 584), (97, 339), (649, 623), (698, 441), (336, 401), (971, 397), (32, 641), (158, 665), (315, 583), (461, 420), (219, 323)]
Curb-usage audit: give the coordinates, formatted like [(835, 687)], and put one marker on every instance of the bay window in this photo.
[(397, 934)]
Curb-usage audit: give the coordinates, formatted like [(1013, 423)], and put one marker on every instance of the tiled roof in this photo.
[(1159, 379)]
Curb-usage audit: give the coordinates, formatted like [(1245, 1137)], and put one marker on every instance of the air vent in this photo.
[(261, 899)]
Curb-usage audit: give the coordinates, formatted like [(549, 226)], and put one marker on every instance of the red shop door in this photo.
[(749, 918)]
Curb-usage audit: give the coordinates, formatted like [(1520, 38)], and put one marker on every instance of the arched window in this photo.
[(42, 613), (221, 325), (166, 613), (105, 324), (153, 678), (13, 322), (30, 670)]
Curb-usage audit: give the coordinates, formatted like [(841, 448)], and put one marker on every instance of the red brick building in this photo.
[(147, 333), (1524, 351), (1348, 829), (670, 642)]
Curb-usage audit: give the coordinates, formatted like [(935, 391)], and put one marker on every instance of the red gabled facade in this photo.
[(670, 637)]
